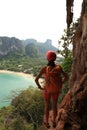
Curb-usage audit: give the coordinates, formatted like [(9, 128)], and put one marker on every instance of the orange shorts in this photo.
[(47, 95)]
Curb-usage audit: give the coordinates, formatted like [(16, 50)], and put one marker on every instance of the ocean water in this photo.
[(10, 83)]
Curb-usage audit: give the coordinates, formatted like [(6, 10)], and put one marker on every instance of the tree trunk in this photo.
[(72, 113)]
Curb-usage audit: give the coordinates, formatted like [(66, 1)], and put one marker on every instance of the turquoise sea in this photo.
[(10, 83)]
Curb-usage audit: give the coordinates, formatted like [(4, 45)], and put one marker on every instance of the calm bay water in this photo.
[(11, 82)]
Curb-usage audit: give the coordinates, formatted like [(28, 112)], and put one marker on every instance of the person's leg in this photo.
[(46, 108), (54, 109), (54, 105)]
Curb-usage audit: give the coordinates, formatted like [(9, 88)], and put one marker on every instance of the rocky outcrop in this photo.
[(28, 47), (73, 110), (8, 45), (72, 113)]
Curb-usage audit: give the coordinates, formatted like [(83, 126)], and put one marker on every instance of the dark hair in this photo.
[(51, 63)]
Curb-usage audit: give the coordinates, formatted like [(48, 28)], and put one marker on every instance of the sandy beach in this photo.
[(20, 74), (17, 73)]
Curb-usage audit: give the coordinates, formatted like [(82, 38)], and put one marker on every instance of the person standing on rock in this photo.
[(54, 77)]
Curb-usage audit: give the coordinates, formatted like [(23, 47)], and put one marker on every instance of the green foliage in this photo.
[(19, 124), (67, 64), (25, 113), (29, 104), (23, 64), (65, 43), (32, 50)]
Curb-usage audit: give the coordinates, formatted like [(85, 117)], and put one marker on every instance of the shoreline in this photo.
[(20, 74), (17, 73)]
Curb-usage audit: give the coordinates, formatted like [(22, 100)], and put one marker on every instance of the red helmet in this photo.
[(51, 55)]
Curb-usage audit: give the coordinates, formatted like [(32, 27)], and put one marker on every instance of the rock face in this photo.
[(29, 47), (72, 113), (8, 45)]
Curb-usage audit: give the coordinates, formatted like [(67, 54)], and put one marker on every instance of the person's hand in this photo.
[(41, 88)]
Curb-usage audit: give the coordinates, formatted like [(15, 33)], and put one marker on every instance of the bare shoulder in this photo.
[(43, 69), (59, 66), (40, 73)]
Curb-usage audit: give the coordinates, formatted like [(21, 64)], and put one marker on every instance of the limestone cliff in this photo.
[(72, 113)]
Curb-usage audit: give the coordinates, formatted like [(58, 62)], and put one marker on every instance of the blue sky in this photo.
[(38, 19)]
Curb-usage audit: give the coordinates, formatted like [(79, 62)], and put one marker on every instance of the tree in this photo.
[(65, 43), (29, 104), (32, 50)]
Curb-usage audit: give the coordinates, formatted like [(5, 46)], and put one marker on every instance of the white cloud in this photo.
[(39, 19)]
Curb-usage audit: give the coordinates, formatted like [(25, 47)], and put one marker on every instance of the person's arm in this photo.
[(38, 77)]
